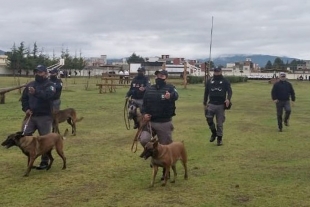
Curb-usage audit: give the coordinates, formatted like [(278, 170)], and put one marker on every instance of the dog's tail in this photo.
[(79, 119), (65, 134)]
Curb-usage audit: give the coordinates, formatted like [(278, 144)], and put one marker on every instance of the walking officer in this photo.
[(280, 94), (218, 91)]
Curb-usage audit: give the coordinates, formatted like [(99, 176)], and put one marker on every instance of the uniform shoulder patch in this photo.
[(52, 88)]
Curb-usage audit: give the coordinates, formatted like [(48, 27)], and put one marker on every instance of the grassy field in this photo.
[(256, 166)]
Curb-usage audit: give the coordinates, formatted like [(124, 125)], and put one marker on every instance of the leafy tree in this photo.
[(211, 64), (278, 64), (268, 65), (12, 58), (135, 59)]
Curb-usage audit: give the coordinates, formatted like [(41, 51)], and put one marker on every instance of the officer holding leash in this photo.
[(37, 103), (218, 91), (137, 90)]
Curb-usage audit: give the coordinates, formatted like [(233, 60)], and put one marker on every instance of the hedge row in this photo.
[(232, 79)]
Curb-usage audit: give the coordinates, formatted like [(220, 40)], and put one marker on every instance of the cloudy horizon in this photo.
[(179, 28)]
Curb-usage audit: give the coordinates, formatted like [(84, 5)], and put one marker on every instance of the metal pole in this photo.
[(208, 74)]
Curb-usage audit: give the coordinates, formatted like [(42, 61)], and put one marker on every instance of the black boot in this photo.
[(213, 136), (219, 140)]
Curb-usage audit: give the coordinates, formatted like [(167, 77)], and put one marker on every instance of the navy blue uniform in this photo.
[(39, 103), (58, 86), (137, 82), (282, 91)]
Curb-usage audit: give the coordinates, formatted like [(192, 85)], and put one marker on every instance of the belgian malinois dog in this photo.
[(165, 156), (68, 115), (34, 146)]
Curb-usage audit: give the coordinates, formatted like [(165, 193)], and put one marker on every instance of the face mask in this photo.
[(160, 82), (53, 77), (39, 78), (140, 74)]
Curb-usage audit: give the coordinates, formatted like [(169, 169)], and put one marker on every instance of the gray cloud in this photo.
[(180, 28)]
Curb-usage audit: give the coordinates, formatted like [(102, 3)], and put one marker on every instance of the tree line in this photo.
[(278, 64), (22, 58)]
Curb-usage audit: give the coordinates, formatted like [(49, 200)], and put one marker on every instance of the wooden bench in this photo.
[(6, 90), (104, 87)]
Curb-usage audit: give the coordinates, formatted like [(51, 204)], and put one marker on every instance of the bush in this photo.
[(195, 79), (232, 79), (237, 79)]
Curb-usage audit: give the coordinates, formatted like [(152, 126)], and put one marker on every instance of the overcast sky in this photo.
[(180, 28)]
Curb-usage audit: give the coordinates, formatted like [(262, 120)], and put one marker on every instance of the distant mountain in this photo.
[(2, 52), (261, 60)]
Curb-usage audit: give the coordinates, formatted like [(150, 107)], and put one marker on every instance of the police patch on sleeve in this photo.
[(52, 88), (175, 90)]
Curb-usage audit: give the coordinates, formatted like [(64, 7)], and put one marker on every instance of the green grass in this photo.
[(256, 166)]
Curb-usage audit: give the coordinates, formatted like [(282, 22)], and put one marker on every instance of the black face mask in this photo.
[(160, 82), (53, 77), (140, 74), (39, 79), (216, 77)]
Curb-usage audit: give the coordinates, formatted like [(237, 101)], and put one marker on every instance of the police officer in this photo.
[(159, 108), (218, 91), (137, 90), (280, 94), (37, 101), (58, 86)]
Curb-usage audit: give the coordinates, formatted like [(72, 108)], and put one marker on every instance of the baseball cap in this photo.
[(282, 74), (218, 69), (41, 68), (53, 71), (161, 71)]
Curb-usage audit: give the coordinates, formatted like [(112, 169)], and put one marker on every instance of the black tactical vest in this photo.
[(156, 104), (217, 91)]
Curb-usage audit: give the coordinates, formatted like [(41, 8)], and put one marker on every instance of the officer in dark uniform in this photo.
[(136, 92), (58, 85), (218, 91), (159, 108), (280, 94), (37, 101)]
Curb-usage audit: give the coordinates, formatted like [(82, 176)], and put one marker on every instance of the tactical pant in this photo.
[(138, 103), (56, 105), (219, 112), (287, 108), (163, 130), (44, 126)]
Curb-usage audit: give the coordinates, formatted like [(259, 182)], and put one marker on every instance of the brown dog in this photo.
[(68, 115), (33, 147), (165, 156)]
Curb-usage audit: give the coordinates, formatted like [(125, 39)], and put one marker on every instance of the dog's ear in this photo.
[(155, 143), (19, 135)]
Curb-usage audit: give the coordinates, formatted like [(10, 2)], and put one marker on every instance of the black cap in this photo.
[(41, 68), (53, 71), (163, 72), (218, 69)]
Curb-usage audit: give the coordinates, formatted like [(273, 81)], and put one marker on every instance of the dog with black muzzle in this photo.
[(165, 156), (34, 146)]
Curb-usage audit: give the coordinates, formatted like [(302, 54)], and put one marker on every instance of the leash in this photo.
[(126, 119), (138, 134), (26, 125)]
